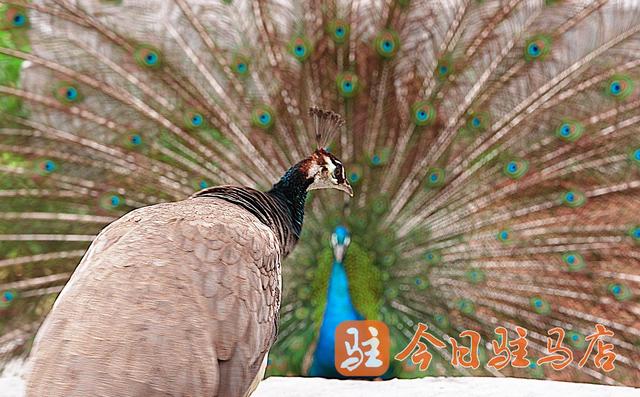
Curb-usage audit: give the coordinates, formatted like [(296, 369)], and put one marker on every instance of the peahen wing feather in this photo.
[(168, 300), (493, 146)]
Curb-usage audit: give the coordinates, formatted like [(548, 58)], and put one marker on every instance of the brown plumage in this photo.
[(169, 300), (179, 299)]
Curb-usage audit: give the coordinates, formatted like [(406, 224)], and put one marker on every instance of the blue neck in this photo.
[(339, 308)]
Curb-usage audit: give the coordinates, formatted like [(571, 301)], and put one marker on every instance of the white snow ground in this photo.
[(12, 385)]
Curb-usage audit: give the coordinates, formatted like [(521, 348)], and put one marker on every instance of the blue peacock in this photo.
[(493, 147), (339, 307)]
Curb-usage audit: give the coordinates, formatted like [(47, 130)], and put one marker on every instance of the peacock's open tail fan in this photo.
[(493, 146)]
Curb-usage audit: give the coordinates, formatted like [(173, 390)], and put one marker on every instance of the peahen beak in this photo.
[(345, 187)]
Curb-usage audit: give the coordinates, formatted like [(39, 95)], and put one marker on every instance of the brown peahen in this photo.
[(493, 148)]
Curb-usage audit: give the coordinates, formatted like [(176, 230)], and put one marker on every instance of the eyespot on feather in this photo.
[(348, 84), (339, 30), (569, 130), (148, 56), (423, 113), (300, 47), (14, 18), (240, 65), (387, 43), (67, 93), (537, 47), (262, 117), (619, 87)]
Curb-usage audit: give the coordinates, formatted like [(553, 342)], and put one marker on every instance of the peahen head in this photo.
[(323, 169), (340, 240)]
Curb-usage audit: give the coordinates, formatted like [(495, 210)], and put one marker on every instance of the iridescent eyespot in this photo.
[(615, 88), (148, 56), (194, 119), (46, 167), (132, 141), (478, 121), (355, 174), (67, 93), (7, 297), (515, 168), (262, 117), (537, 47), (569, 130), (575, 339), (620, 291), (15, 17), (339, 30), (300, 48), (432, 257), (422, 283), (380, 157), (475, 276), (441, 320), (574, 261), (435, 177), (540, 305), (635, 156), (635, 233), (387, 43), (444, 68), (347, 84), (466, 306), (240, 65), (504, 235), (619, 86), (423, 113), (111, 201), (573, 198)]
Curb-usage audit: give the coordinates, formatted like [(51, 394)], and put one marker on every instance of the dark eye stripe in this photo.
[(338, 173)]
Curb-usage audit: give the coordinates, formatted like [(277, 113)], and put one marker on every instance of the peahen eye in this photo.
[(337, 173)]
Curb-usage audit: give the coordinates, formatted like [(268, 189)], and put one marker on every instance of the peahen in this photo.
[(181, 298), (493, 148)]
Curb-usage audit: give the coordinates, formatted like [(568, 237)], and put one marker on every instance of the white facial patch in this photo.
[(313, 170), (331, 167)]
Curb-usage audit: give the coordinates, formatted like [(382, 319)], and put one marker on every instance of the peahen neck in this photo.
[(291, 190), (281, 208)]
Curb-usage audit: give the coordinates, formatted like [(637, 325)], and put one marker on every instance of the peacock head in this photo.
[(340, 240), (327, 172), (324, 170)]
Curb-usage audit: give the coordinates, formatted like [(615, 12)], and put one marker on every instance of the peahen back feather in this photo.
[(494, 148)]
